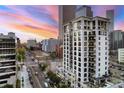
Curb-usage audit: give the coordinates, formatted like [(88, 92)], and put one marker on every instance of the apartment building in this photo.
[(7, 59), (85, 51)]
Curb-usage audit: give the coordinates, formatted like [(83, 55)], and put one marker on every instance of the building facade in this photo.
[(83, 11), (110, 15), (31, 43), (49, 45), (66, 14), (7, 59), (85, 51), (121, 55), (116, 40)]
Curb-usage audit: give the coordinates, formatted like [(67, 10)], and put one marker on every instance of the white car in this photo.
[(36, 73), (46, 85)]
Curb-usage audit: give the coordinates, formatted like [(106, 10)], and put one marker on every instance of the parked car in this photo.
[(36, 73), (46, 84)]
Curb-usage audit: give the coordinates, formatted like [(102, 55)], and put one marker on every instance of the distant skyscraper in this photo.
[(116, 39), (110, 15), (84, 11), (66, 14)]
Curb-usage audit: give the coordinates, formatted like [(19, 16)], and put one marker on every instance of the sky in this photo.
[(30, 22), (41, 21), (100, 10)]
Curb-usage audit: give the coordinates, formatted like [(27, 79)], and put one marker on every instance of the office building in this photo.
[(110, 15), (66, 14), (31, 43), (49, 45), (121, 55), (85, 51), (116, 40), (83, 11), (7, 59)]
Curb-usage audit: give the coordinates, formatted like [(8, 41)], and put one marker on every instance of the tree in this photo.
[(53, 55), (43, 66), (18, 57), (18, 83), (21, 54), (53, 78), (7, 86)]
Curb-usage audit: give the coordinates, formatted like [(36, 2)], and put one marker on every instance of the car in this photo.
[(119, 86), (119, 68), (46, 84), (36, 73)]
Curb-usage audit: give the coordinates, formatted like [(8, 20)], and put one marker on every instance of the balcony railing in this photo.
[(7, 54)]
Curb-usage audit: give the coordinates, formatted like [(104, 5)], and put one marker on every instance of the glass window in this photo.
[(85, 64), (85, 59), (85, 75), (99, 32), (85, 33)]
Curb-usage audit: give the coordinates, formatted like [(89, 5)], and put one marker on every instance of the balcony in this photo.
[(7, 67), (92, 60), (7, 54), (92, 49), (7, 64), (91, 34), (91, 71), (92, 40), (7, 60), (2, 48), (7, 73), (92, 56)]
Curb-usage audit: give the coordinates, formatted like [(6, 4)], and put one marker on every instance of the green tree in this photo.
[(43, 66), (53, 55), (21, 54), (18, 57), (18, 83), (7, 86), (54, 78)]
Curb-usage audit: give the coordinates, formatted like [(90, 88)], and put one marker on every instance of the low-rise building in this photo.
[(59, 51), (31, 43), (121, 55)]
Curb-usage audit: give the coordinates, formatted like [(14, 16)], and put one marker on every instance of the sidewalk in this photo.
[(23, 73)]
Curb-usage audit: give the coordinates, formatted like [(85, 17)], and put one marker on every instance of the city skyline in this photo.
[(41, 22)]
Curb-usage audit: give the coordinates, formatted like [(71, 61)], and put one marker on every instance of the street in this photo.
[(36, 80)]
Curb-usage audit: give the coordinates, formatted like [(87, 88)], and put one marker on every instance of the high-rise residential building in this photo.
[(110, 15), (85, 51), (66, 14), (83, 11), (116, 40), (7, 59)]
